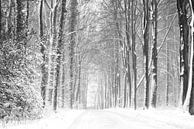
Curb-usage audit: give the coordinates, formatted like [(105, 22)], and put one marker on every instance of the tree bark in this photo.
[(53, 17), (42, 50), (134, 56), (188, 104), (9, 30), (184, 32), (72, 21), (191, 104), (78, 93), (59, 53), (63, 84), (126, 54), (154, 85), (20, 35), (167, 97), (145, 50), (0, 23)]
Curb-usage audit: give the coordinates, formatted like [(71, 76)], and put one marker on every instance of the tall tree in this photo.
[(59, 52), (146, 49), (188, 104), (72, 22), (53, 9), (42, 50), (191, 79), (20, 35), (184, 33), (126, 54), (134, 56), (154, 16)]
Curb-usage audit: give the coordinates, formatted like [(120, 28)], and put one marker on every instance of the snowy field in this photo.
[(109, 119)]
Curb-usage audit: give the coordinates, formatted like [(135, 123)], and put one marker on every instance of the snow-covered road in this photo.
[(106, 119), (110, 119)]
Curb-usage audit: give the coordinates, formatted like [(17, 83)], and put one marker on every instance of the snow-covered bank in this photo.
[(60, 120)]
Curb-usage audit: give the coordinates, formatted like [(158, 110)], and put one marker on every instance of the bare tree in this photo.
[(184, 32), (146, 49), (42, 50), (154, 7), (72, 22), (59, 53), (188, 104)]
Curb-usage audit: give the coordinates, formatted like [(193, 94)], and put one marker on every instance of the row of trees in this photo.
[(47, 55), (18, 73), (147, 49), (43, 55), (63, 38)]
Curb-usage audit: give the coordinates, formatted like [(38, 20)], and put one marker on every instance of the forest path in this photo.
[(105, 119), (115, 118)]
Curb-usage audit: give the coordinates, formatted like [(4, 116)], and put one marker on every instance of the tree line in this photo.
[(150, 42), (142, 52)]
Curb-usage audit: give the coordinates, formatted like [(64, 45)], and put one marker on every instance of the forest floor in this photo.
[(109, 119)]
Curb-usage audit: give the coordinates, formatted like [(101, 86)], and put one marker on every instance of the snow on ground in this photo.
[(60, 120), (110, 119), (160, 118)]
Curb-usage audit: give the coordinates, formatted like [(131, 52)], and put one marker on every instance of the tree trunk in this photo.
[(0, 24), (9, 29), (63, 77), (53, 18), (154, 85), (27, 14), (134, 56), (167, 74), (184, 32), (187, 105), (78, 93), (42, 50), (126, 53), (20, 24), (145, 50), (72, 22), (59, 53)]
